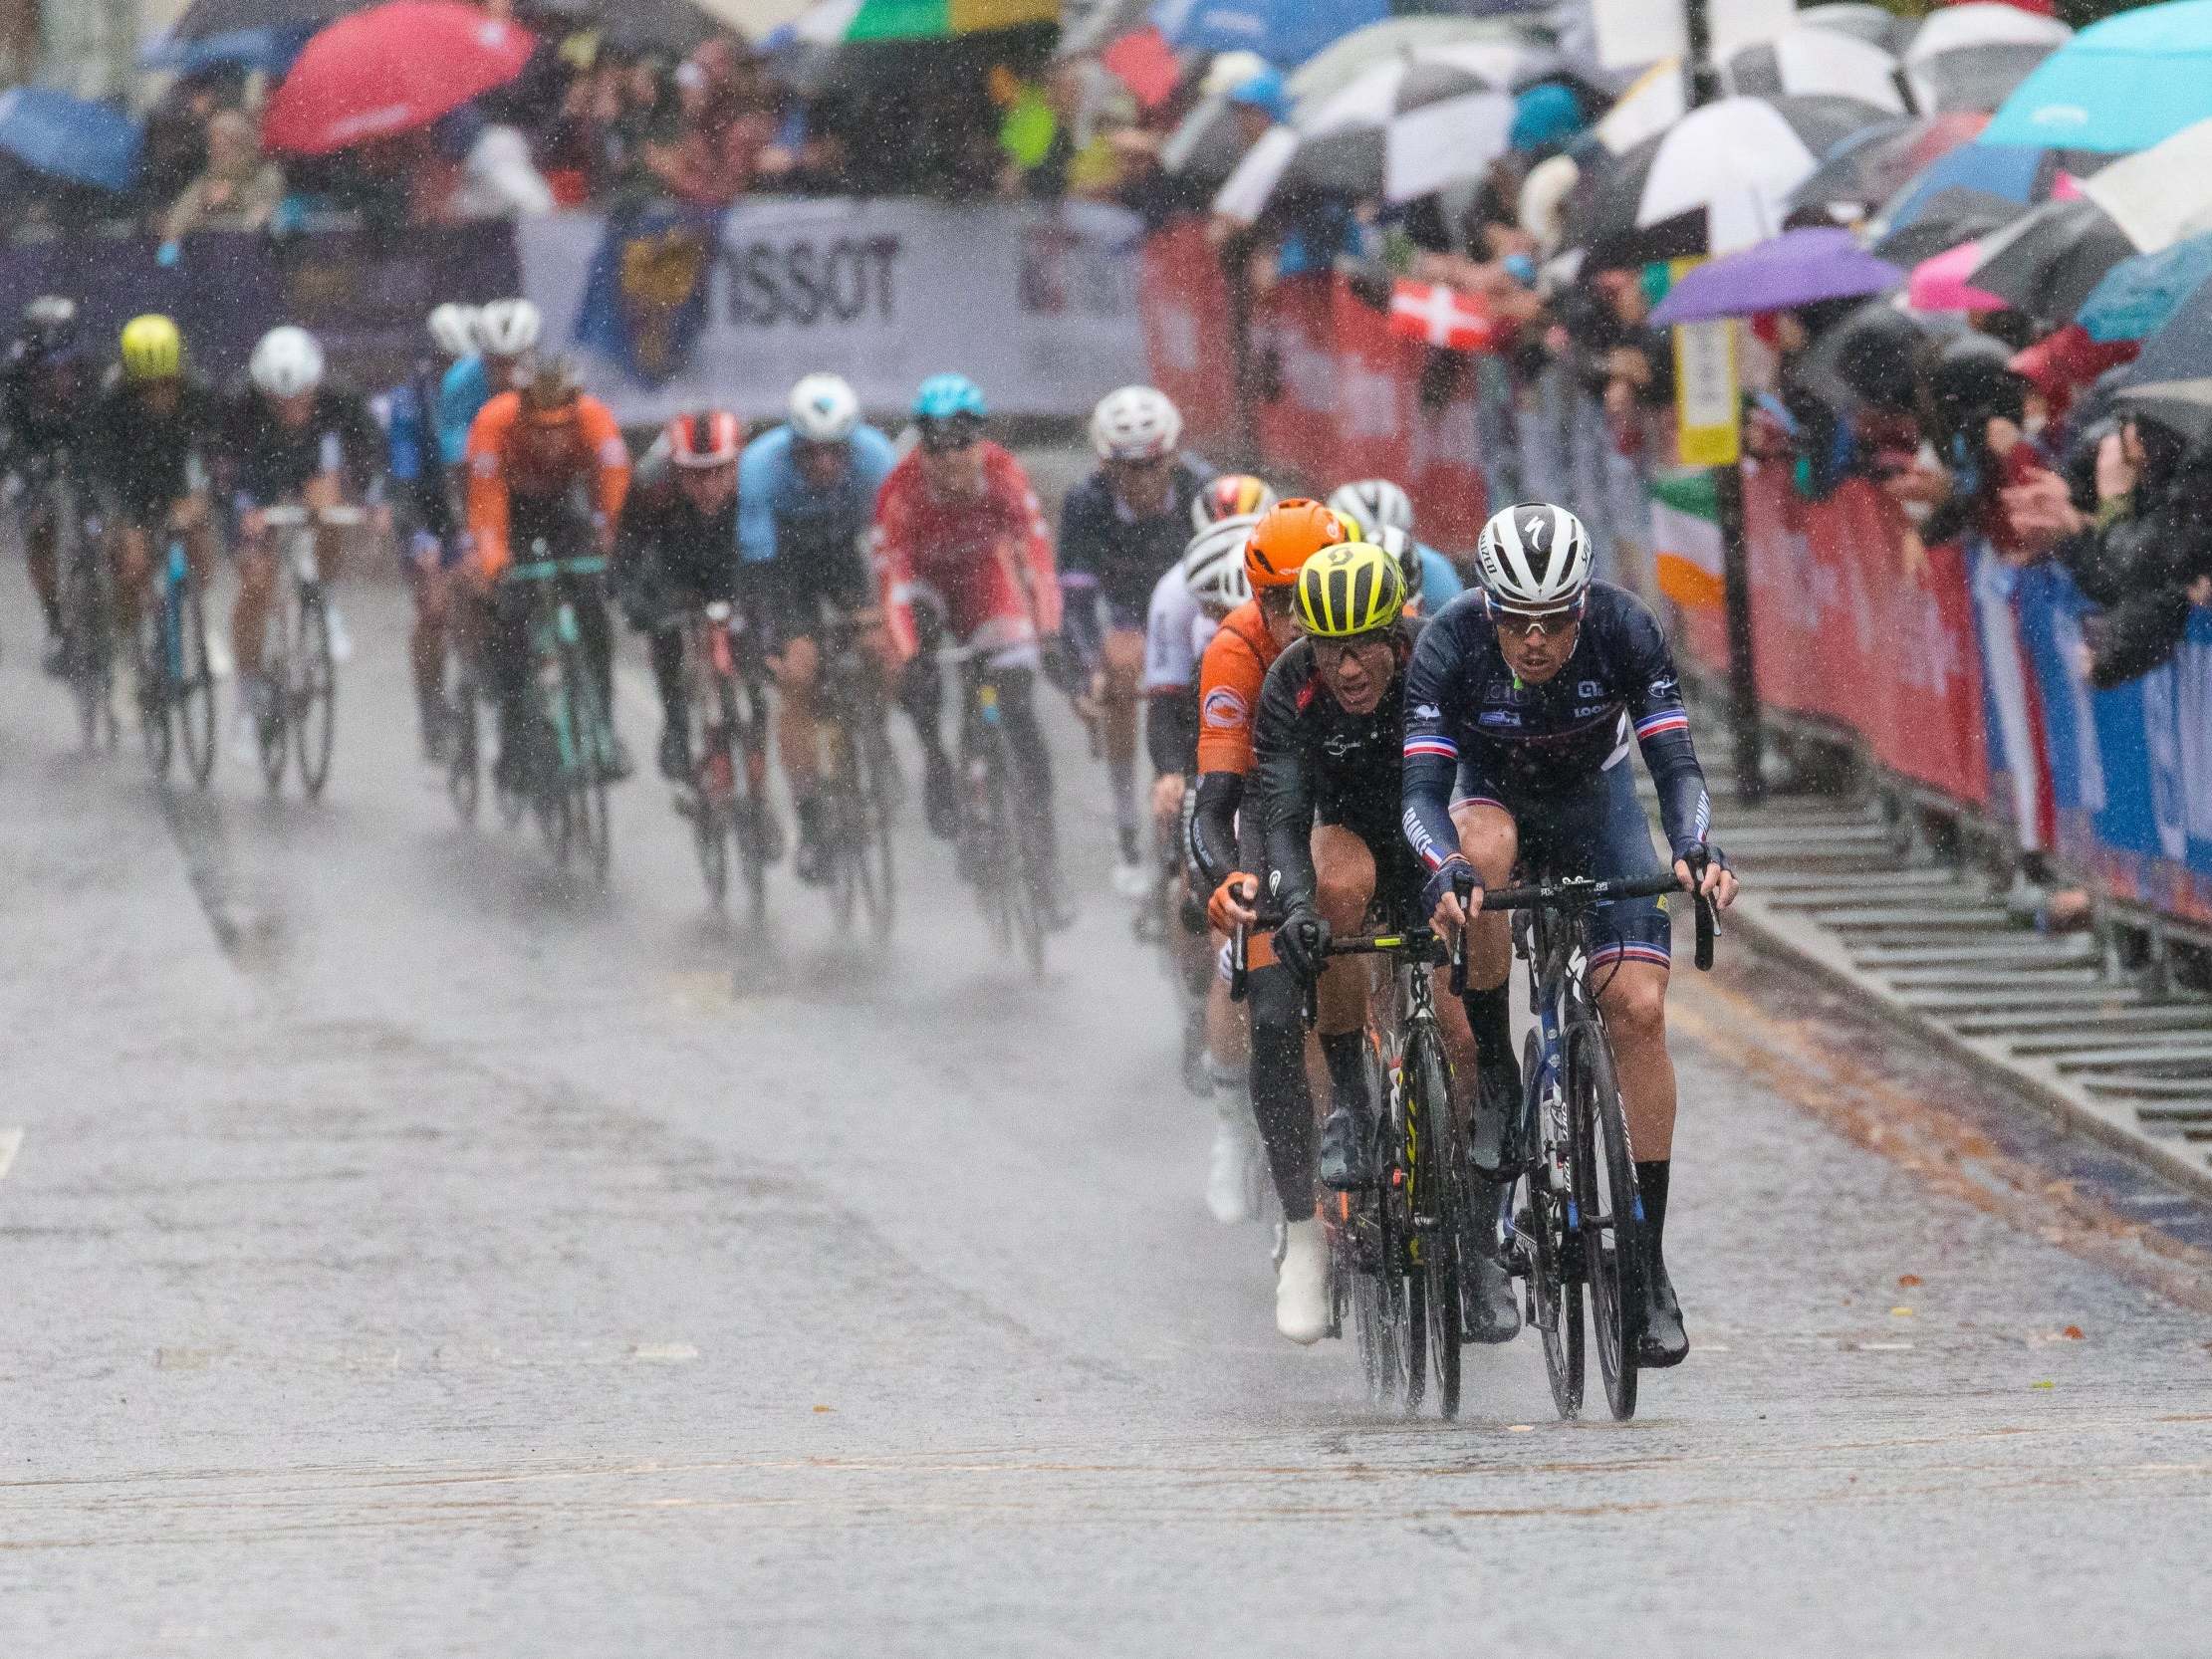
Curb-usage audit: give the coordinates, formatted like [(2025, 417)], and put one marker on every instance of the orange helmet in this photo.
[(1289, 534)]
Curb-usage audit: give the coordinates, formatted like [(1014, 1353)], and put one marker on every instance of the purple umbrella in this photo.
[(1794, 269)]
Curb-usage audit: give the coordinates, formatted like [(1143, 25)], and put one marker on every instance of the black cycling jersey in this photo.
[(680, 555), (40, 404), (1474, 723), (1103, 543), (1316, 761), (265, 461), (142, 462)]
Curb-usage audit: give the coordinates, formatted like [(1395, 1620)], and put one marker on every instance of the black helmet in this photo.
[(49, 327)]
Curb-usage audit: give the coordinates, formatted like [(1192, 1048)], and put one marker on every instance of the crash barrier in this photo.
[(1328, 391), (363, 294), (1037, 301)]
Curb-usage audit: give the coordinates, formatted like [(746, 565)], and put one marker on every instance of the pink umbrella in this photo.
[(1940, 283), (390, 69)]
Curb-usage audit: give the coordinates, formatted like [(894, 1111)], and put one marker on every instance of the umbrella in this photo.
[(1336, 65), (204, 19), (676, 26), (2011, 171), (1811, 62), (69, 137), (2119, 85), (1975, 56), (1717, 180), (857, 21), (268, 50), (2047, 262), (1099, 26), (1870, 357), (2137, 296), (1871, 24), (1942, 221), (1940, 283), (1284, 31), (2182, 349), (1797, 268), (2162, 194), (2183, 405), (1871, 167), (389, 70)]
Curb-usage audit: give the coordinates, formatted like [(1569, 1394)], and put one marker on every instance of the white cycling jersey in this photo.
[(1176, 632)]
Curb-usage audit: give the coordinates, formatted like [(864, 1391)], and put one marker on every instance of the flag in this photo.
[(1685, 538), (645, 295), (1439, 316), (1145, 64)]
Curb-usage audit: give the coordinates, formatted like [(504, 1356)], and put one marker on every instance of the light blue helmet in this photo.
[(949, 396)]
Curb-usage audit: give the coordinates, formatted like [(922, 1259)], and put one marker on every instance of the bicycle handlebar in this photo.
[(546, 570), (1582, 894)]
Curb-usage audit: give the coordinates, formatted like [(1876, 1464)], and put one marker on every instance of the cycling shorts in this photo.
[(1398, 875), (1599, 830)]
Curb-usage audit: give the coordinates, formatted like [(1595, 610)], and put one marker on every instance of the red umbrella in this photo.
[(392, 69)]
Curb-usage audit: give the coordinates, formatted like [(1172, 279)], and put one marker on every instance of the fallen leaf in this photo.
[(2072, 1333), (1900, 1312), (1908, 1279), (825, 1408), (2044, 1384)]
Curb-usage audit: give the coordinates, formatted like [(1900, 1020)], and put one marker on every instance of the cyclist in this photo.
[(962, 547), (43, 391), (1230, 675), (1384, 514), (1120, 529), (805, 492), (430, 543), (289, 436), (1325, 793), (530, 452), (678, 551), (1524, 695), (145, 447), (506, 332)]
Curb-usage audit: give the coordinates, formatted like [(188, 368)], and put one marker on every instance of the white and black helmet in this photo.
[(509, 328), (286, 363), (823, 409), (1534, 557), (1136, 423), (1213, 564), (1375, 505), (453, 328)]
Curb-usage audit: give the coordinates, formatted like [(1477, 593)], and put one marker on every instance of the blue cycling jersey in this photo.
[(776, 507), (1470, 720), (467, 387)]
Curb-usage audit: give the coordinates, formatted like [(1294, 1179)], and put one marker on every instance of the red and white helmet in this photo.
[(710, 438), (1229, 496), (1136, 423)]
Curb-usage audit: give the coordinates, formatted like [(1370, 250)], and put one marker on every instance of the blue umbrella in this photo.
[(2121, 84), (1284, 31), (69, 137), (271, 50), (2138, 295), (2014, 171)]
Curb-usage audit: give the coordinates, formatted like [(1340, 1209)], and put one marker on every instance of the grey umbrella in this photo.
[(2046, 262)]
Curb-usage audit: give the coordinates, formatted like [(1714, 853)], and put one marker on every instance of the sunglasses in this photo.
[(949, 437), (1333, 653), (1537, 624)]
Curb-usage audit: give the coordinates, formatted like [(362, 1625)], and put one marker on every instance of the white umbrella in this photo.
[(1972, 57), (1804, 62), (1245, 193), (1342, 62), (2160, 195)]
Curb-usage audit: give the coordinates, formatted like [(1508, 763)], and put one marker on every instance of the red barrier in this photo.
[(1295, 347), (1184, 301)]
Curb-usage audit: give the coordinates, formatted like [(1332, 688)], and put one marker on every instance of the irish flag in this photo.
[(1685, 538)]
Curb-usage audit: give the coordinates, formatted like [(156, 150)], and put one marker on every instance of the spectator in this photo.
[(239, 191)]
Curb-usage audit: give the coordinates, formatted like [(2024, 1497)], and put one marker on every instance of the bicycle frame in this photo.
[(553, 625)]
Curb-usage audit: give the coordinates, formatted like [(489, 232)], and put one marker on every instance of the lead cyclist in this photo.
[(1521, 700)]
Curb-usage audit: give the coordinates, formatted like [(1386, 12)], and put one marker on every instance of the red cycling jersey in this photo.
[(989, 556)]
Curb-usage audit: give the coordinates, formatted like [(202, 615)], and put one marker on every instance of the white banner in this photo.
[(1036, 303)]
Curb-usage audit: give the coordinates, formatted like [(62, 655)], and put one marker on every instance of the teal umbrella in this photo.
[(2121, 84), (2138, 295)]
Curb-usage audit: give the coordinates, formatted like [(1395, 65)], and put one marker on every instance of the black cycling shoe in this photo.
[(676, 753), (940, 796), (1489, 1310), (1343, 1151), (1664, 1341), (55, 658), (616, 758), (810, 863)]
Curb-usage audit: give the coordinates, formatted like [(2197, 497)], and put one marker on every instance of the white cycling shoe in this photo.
[(1131, 880), (1233, 1176), (1302, 1283), (341, 641)]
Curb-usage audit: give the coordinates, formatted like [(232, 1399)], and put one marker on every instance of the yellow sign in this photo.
[(1708, 405)]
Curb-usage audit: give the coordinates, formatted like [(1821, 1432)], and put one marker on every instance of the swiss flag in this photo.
[(1440, 316)]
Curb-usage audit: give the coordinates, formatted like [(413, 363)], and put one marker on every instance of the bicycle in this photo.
[(566, 763), (1579, 1226), (1395, 1248), (725, 801), (1173, 920), (464, 773), (300, 719), (176, 686), (87, 614), (999, 844), (859, 782)]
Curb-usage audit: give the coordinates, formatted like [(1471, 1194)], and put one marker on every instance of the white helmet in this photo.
[(453, 328), (823, 409), (1136, 423), (1374, 504), (1213, 564), (1534, 557), (508, 328), (287, 362)]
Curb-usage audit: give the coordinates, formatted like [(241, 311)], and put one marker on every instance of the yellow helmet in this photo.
[(1348, 591), (153, 350)]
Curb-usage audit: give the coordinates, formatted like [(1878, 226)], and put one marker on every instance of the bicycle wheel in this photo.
[(464, 785), (875, 808), (274, 728), (1377, 1284), (192, 678), (1022, 866), (87, 646), (1554, 1275), (1433, 1186), (1604, 1181), (149, 670), (584, 768), (313, 715)]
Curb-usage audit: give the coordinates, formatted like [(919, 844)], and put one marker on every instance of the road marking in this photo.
[(663, 1353), (11, 1142)]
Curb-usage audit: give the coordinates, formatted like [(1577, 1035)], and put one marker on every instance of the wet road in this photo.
[(404, 1253)]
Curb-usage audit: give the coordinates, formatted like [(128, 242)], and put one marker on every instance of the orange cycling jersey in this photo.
[(1229, 679), (535, 457)]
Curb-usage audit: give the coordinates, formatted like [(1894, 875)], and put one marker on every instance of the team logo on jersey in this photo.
[(1226, 709), (1428, 711)]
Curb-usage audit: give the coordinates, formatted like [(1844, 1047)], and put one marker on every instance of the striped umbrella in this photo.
[(852, 22), (1973, 56), (1802, 61)]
